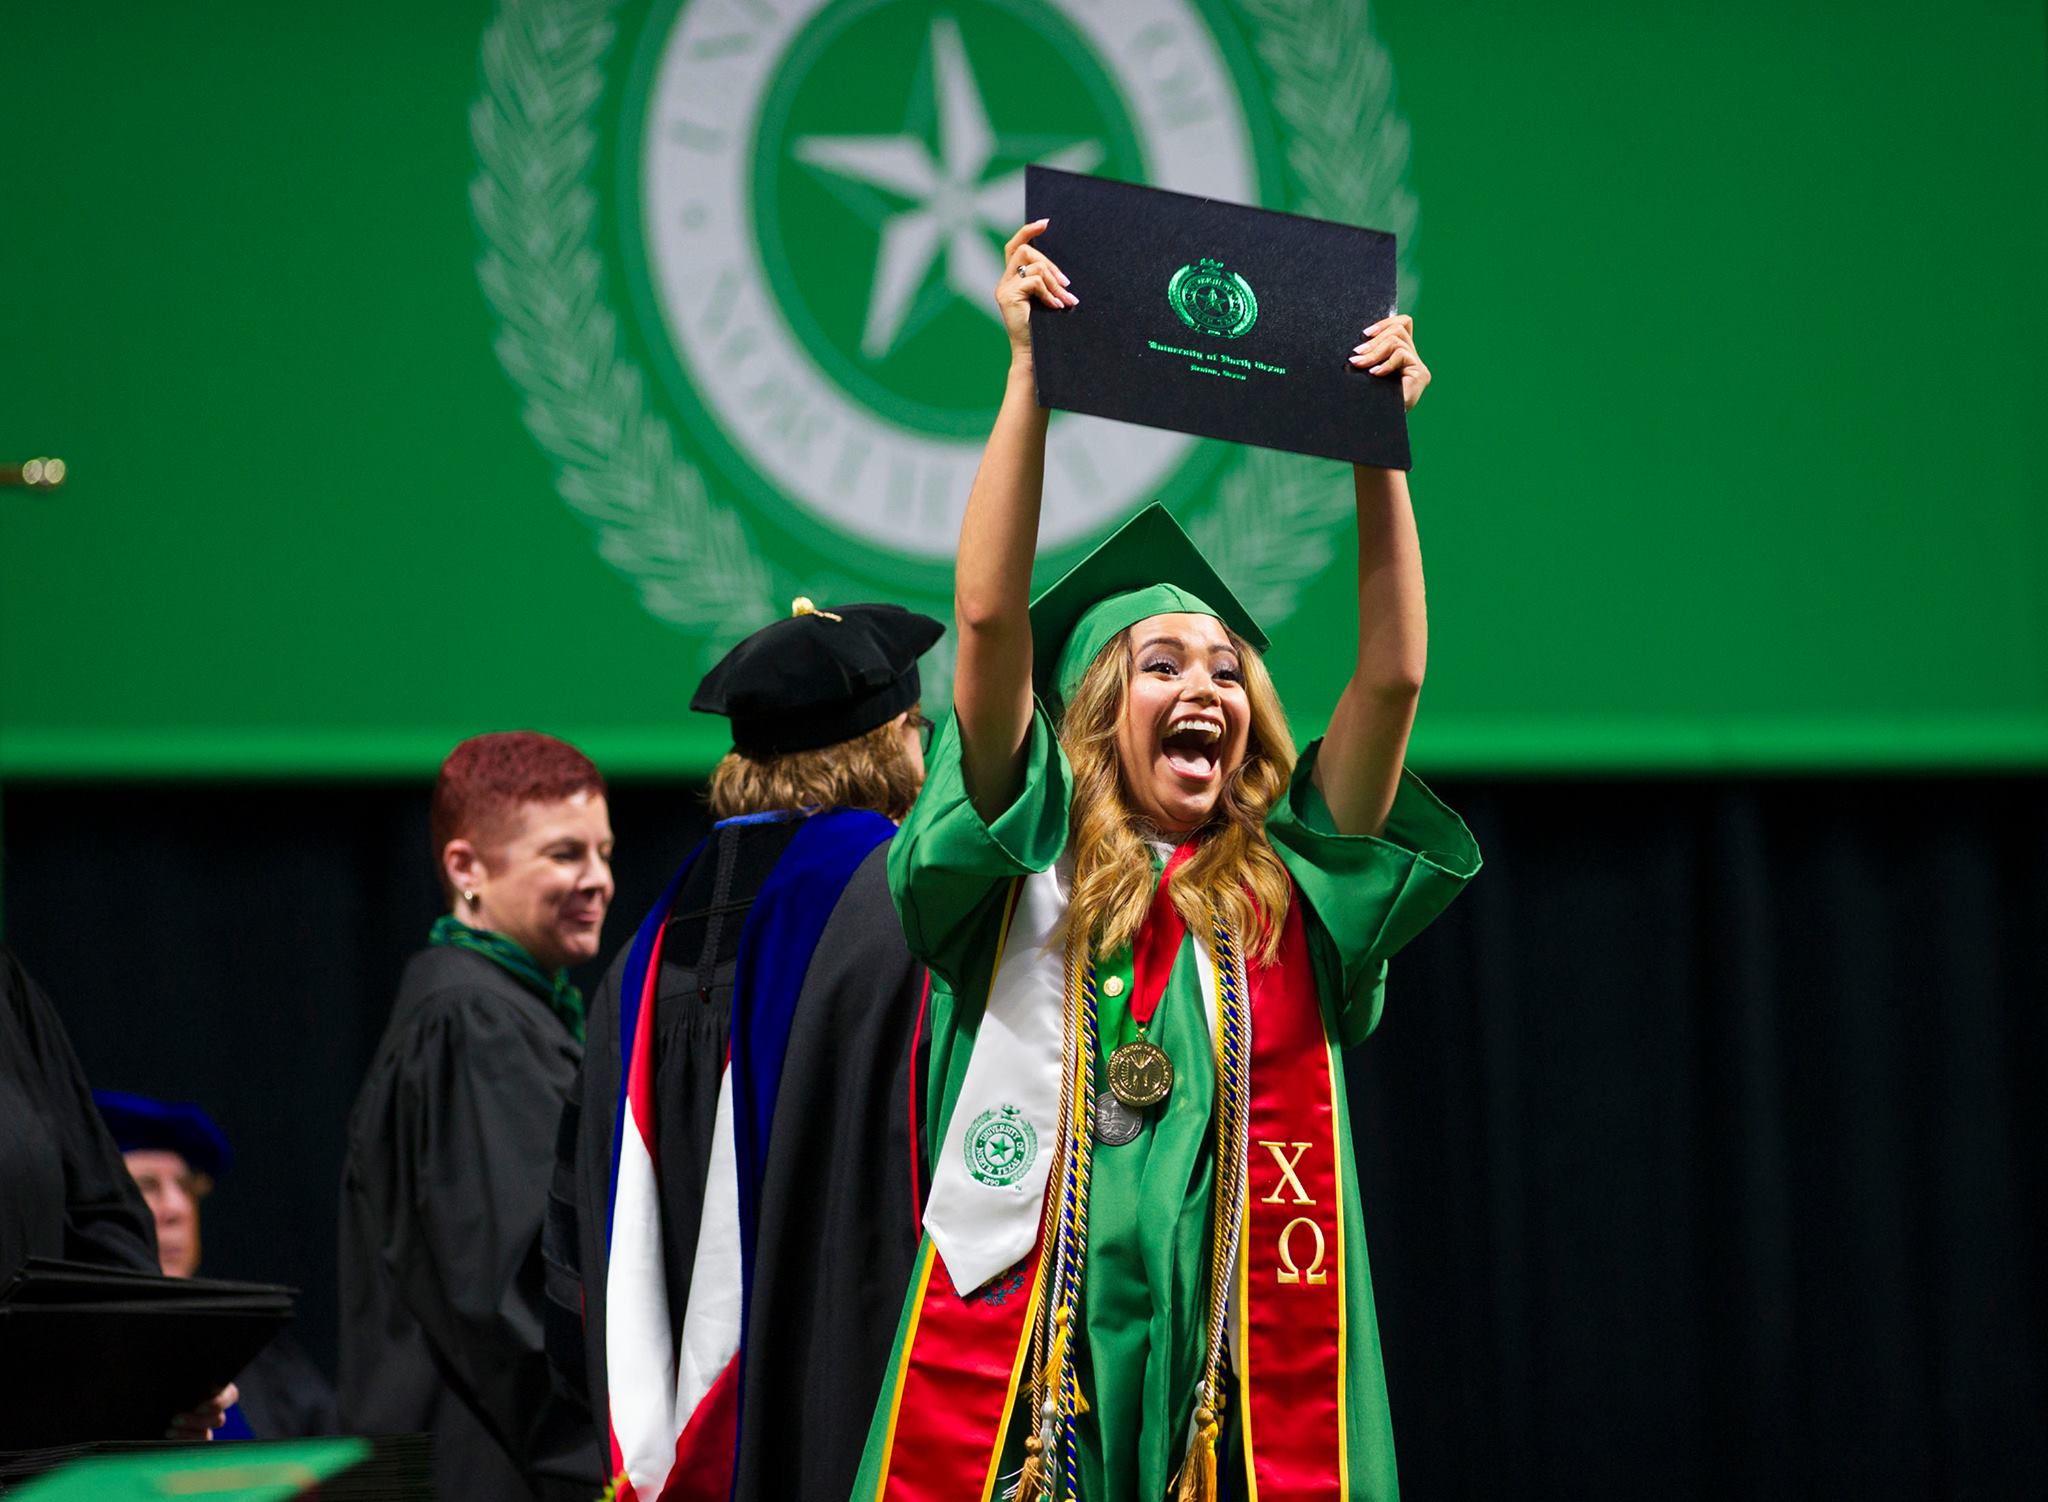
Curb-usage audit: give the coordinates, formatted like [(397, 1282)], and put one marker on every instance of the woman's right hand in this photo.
[(1028, 277)]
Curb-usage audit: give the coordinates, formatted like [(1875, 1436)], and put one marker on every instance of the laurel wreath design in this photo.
[(656, 516), (585, 401), (1277, 517)]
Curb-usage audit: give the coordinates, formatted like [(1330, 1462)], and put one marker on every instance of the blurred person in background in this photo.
[(452, 1138), (64, 1190), (745, 1226), (177, 1153)]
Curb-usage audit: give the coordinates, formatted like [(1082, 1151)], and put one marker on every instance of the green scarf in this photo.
[(563, 999)]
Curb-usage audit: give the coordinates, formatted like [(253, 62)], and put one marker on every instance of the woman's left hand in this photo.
[(1389, 348)]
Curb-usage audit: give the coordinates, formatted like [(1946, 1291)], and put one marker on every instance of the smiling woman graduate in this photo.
[(1152, 927)]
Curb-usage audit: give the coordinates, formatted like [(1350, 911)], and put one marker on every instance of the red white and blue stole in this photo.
[(676, 1406)]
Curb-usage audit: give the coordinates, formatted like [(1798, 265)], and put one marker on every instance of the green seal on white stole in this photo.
[(1001, 1146)]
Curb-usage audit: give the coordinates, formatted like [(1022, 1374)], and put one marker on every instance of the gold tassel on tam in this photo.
[(1198, 1472)]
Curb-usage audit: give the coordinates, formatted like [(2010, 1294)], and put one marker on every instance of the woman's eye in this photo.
[(1230, 675), (1160, 665)]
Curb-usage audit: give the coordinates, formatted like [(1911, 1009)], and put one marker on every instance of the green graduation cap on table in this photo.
[(1147, 567), (218, 1472)]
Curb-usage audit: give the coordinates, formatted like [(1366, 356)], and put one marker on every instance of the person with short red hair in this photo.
[(522, 847), (452, 1138)]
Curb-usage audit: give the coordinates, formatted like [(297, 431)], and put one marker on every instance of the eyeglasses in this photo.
[(923, 727)]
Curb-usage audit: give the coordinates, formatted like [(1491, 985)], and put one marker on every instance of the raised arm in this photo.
[(1359, 768), (998, 539)]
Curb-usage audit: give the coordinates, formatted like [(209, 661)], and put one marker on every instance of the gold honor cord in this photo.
[(1050, 1351), (1074, 1250), (1197, 1481), (1056, 1401)]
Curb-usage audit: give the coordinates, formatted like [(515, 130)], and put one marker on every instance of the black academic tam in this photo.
[(820, 677)]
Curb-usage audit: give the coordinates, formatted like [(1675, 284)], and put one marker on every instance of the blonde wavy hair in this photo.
[(872, 771), (1234, 874)]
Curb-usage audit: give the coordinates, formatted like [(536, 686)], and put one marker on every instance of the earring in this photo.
[(470, 898)]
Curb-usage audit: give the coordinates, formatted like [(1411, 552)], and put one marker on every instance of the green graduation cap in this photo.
[(1147, 567), (218, 1472)]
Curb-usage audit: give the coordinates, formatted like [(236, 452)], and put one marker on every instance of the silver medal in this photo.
[(1115, 1122)]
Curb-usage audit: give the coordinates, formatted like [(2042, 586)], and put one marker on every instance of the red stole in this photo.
[(956, 1382), (1288, 1319)]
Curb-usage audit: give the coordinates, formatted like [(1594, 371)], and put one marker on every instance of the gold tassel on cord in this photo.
[(1198, 1472), (1031, 1485), (1056, 1357)]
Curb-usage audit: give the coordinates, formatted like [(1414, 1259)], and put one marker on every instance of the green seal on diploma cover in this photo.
[(1001, 1146), (1213, 300)]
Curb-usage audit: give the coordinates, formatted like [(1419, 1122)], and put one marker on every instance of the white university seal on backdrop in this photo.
[(801, 220)]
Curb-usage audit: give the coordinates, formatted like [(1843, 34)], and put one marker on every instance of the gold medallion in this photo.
[(1140, 1074)]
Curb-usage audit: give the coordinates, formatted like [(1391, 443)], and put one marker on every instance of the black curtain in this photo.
[(1703, 1146), (1707, 1147)]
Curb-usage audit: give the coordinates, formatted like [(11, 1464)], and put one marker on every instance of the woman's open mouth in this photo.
[(1192, 745)]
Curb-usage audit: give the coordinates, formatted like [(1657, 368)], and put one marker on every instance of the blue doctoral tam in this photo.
[(141, 1124)]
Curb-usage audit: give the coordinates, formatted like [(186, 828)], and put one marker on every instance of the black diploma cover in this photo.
[(1215, 319), (100, 1353)]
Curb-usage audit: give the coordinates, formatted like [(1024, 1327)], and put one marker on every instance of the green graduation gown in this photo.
[(1146, 1290)]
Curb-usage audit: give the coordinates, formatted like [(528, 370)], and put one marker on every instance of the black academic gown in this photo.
[(443, 1194), (285, 1395), (64, 1189), (839, 1215)]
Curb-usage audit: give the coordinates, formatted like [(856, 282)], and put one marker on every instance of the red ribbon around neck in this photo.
[(1158, 943)]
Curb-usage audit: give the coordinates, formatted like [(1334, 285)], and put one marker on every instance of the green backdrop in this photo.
[(1735, 456)]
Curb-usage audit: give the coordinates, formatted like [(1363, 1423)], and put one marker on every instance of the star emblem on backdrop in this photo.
[(952, 210)]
